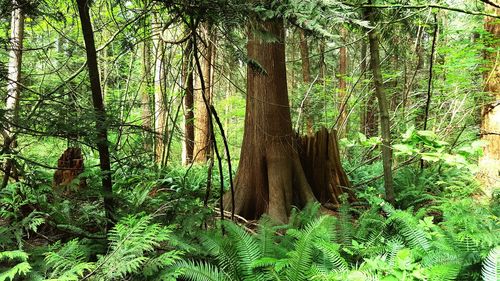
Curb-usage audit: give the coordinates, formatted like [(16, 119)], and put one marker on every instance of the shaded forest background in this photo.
[(138, 136)]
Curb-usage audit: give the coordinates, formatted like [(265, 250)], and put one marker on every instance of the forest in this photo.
[(250, 140)]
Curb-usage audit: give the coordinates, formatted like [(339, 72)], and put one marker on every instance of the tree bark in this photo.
[(13, 87), (160, 111), (322, 64), (146, 86), (342, 98), (187, 74), (373, 38), (100, 112), (369, 124), (306, 77), (489, 164), (270, 177), (202, 133)]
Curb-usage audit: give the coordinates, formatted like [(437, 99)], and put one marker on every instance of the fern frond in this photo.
[(224, 252), (201, 271), (393, 248), (248, 250), (66, 258), (154, 265), (264, 262), (17, 270), (331, 252), (132, 240), (14, 255), (408, 227), (301, 258), (490, 270), (265, 237), (443, 272)]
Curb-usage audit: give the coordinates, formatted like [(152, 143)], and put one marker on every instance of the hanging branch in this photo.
[(226, 146), (211, 125)]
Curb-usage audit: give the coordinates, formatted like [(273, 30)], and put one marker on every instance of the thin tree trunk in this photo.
[(429, 81), (146, 86), (431, 72), (322, 64), (306, 77), (489, 164), (362, 69), (160, 112), (13, 87), (342, 98), (373, 38), (202, 133), (97, 100), (187, 73)]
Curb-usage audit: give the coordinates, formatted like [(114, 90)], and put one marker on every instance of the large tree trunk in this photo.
[(187, 78), (383, 106), (342, 98), (97, 100), (13, 87), (490, 122), (202, 134), (270, 177), (306, 77), (159, 95)]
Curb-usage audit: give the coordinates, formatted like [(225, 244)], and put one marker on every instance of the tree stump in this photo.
[(320, 158), (69, 166)]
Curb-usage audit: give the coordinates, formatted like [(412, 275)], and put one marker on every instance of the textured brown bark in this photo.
[(489, 164), (304, 55), (320, 158), (306, 77), (97, 101), (69, 166), (385, 125), (270, 177), (342, 93), (369, 122), (187, 78), (13, 88), (202, 133)]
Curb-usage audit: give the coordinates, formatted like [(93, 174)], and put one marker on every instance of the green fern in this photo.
[(133, 242), (406, 224), (19, 269), (247, 249), (69, 260), (490, 270), (300, 259), (201, 271)]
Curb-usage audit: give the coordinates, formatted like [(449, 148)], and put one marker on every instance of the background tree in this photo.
[(385, 126), (202, 132), (13, 87), (100, 112), (490, 117)]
